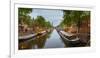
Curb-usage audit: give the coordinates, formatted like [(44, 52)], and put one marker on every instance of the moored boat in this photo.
[(69, 37)]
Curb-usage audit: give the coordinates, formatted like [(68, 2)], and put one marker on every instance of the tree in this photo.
[(73, 17), (77, 17), (24, 11), (41, 22), (23, 15), (48, 24)]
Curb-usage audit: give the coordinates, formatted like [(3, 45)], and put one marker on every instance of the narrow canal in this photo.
[(47, 40), (54, 41), (50, 40)]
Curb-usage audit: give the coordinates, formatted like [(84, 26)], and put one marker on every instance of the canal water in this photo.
[(54, 41), (50, 40), (47, 40)]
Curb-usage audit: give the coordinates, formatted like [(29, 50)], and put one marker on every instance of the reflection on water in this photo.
[(50, 40), (54, 41), (38, 42)]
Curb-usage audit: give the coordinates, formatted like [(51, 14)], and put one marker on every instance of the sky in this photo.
[(54, 16)]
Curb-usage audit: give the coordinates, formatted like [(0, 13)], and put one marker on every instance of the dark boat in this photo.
[(69, 38), (78, 39)]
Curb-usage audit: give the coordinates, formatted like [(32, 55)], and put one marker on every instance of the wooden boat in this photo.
[(31, 36), (79, 39), (69, 38)]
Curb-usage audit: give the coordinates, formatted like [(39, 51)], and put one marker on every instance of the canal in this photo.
[(50, 40), (54, 41)]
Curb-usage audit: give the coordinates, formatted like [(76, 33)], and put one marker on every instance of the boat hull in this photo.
[(69, 42)]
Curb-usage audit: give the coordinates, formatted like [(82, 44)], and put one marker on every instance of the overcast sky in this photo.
[(54, 16)]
